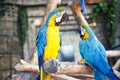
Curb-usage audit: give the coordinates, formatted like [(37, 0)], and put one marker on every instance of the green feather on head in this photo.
[(60, 9)]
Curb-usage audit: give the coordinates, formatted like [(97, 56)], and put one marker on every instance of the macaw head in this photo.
[(57, 16), (83, 33)]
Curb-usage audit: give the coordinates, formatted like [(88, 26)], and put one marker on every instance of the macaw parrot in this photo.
[(48, 40), (93, 52)]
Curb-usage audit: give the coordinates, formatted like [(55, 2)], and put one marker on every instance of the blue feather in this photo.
[(40, 43), (98, 75), (112, 75), (82, 3)]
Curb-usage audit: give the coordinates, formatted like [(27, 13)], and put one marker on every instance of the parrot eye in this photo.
[(58, 14)]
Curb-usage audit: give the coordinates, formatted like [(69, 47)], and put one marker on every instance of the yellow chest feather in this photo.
[(53, 43)]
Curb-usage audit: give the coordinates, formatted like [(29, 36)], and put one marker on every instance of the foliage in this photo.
[(3, 1), (110, 12), (2, 8), (22, 24)]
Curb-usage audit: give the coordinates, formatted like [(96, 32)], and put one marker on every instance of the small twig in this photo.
[(117, 65), (24, 66), (113, 53), (80, 76), (52, 4)]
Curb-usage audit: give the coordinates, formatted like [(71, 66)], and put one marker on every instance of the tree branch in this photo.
[(113, 53), (74, 68), (64, 67), (117, 65), (51, 4), (24, 66), (63, 77)]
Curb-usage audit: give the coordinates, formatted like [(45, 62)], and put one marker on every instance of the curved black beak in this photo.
[(81, 31), (65, 17)]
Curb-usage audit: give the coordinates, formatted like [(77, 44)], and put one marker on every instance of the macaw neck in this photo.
[(87, 28), (51, 22), (54, 27)]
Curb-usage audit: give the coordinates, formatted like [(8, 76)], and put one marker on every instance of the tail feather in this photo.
[(47, 77), (98, 75), (112, 75), (38, 77), (43, 75)]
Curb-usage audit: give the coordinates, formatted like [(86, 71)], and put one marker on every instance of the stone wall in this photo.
[(9, 43)]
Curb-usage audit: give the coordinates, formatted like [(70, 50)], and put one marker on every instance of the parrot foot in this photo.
[(51, 66), (83, 60)]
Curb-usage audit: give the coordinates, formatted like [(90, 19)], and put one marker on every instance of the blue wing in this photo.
[(98, 75), (41, 43), (95, 55)]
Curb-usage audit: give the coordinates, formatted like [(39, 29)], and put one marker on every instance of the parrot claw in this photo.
[(80, 63), (82, 60), (51, 66)]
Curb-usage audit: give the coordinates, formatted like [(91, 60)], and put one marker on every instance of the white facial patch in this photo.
[(82, 31), (59, 16)]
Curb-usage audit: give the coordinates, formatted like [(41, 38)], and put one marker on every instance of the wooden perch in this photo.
[(76, 9), (63, 77), (64, 67), (51, 4), (74, 68), (24, 66), (113, 53), (82, 76), (117, 65), (67, 68), (94, 1)]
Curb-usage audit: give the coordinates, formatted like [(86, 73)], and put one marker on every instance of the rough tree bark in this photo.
[(63, 68), (117, 65)]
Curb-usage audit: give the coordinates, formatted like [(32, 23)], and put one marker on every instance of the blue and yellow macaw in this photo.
[(48, 39), (93, 52)]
